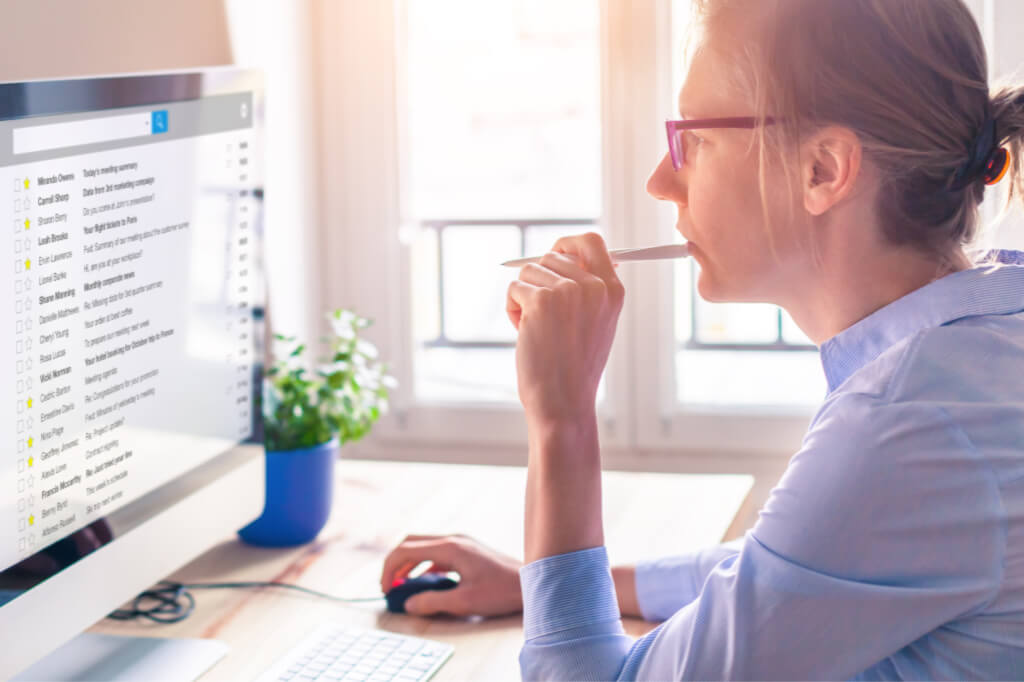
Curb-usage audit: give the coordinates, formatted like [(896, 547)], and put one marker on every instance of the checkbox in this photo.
[(22, 524), (19, 326), (21, 504), (21, 386), (21, 485), (21, 406), (18, 287), (21, 344), (17, 205), (17, 246), (21, 544), (21, 366), (17, 184), (21, 426), (17, 226), (21, 465), (21, 445), (19, 307), (19, 265)]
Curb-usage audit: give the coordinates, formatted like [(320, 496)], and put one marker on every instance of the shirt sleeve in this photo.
[(885, 526), (667, 584)]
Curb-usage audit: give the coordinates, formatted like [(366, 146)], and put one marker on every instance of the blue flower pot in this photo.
[(300, 484)]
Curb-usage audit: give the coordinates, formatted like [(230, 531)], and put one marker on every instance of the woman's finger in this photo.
[(409, 555), (591, 249), (540, 276), (519, 294), (439, 567)]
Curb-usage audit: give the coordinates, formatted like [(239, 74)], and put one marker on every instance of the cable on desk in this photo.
[(171, 602)]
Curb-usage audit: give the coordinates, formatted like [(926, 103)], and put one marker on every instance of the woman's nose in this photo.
[(666, 183)]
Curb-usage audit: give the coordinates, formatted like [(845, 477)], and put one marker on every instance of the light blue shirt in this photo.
[(892, 547)]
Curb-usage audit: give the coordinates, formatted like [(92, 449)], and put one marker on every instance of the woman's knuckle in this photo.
[(549, 259)]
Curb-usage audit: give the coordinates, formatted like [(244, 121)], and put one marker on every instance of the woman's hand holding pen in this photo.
[(565, 309)]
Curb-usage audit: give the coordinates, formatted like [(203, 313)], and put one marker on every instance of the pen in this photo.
[(623, 255)]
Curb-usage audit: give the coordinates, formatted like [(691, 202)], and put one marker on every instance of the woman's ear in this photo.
[(829, 167)]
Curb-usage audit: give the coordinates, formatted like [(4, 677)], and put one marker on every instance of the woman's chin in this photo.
[(713, 290), (707, 289)]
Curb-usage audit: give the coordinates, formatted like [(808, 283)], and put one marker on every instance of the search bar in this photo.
[(90, 131)]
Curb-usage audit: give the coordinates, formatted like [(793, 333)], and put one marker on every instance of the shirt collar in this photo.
[(989, 289)]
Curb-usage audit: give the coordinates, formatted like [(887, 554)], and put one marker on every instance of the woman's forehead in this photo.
[(711, 87)]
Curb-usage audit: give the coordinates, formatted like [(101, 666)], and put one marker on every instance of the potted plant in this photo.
[(307, 416)]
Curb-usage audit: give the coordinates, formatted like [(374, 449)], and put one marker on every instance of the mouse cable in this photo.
[(171, 602)]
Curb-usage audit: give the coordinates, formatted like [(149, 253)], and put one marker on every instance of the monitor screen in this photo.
[(130, 226)]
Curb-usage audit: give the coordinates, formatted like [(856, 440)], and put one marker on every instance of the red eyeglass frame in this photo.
[(677, 139)]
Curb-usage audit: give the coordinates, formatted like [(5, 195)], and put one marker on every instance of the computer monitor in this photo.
[(132, 301)]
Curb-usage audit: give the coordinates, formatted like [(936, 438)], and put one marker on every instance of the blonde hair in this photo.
[(908, 77)]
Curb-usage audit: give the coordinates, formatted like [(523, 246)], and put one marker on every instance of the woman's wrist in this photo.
[(563, 489), (548, 429), (624, 578)]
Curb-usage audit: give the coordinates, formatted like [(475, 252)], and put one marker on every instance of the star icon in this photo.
[(26, 183), (30, 441), (30, 402), (31, 460), (28, 263), (27, 223), (31, 518)]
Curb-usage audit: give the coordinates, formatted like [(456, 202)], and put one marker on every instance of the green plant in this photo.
[(342, 397)]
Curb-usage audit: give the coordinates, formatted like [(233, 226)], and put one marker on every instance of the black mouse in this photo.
[(397, 595)]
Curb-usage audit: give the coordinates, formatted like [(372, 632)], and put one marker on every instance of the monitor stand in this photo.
[(114, 657)]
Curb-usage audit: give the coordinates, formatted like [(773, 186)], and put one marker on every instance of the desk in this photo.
[(376, 505)]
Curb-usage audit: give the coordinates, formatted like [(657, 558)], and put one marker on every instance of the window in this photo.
[(481, 132), (501, 124)]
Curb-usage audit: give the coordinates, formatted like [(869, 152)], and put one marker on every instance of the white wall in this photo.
[(64, 38), (59, 39), (277, 36)]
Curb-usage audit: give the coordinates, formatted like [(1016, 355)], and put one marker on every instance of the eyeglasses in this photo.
[(677, 132)]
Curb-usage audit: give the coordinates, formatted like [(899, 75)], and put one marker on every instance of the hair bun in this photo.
[(982, 155)]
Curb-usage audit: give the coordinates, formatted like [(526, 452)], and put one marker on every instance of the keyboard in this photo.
[(340, 652)]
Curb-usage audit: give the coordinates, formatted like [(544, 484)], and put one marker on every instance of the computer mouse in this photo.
[(403, 589)]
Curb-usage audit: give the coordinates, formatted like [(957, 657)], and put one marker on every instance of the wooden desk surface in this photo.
[(376, 505)]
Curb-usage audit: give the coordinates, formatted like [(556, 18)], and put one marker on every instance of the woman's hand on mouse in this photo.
[(489, 580), (565, 309)]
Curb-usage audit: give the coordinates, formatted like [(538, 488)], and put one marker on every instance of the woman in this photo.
[(845, 189)]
